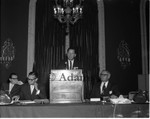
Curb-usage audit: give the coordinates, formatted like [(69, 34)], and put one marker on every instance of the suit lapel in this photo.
[(74, 64), (108, 86), (67, 64), (108, 89), (28, 89)]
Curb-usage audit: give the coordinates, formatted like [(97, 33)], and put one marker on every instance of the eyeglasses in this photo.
[(31, 79), (104, 74), (14, 78)]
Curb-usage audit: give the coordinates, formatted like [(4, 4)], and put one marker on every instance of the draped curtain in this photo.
[(84, 36), (50, 42)]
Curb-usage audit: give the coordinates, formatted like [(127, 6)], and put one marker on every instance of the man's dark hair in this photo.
[(12, 74), (71, 48), (34, 73)]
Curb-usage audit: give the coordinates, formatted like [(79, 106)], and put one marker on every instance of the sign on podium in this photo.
[(66, 86)]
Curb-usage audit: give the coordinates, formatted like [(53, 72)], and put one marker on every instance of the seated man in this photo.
[(71, 62), (12, 88), (31, 90), (105, 87)]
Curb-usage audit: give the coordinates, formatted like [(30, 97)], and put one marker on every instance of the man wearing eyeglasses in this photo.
[(32, 90), (105, 87), (12, 88)]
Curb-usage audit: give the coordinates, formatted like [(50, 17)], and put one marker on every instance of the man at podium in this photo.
[(71, 62)]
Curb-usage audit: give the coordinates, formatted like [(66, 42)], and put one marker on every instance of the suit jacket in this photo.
[(25, 93), (110, 90), (14, 91), (64, 64)]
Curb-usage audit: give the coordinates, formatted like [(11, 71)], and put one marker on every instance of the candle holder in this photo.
[(68, 11)]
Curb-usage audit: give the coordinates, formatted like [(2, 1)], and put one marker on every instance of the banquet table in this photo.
[(86, 109)]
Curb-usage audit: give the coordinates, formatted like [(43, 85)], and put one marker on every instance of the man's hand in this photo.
[(19, 82), (36, 86)]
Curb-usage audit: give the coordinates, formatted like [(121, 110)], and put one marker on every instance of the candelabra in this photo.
[(68, 11)]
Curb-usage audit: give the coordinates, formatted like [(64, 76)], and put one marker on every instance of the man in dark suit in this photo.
[(71, 62), (105, 87), (32, 90), (12, 88)]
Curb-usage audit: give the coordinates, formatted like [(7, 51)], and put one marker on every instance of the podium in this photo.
[(66, 86)]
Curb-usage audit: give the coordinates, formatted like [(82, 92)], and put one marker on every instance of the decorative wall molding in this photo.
[(124, 54), (8, 52)]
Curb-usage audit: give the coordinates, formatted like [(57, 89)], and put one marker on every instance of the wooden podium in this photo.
[(66, 86)]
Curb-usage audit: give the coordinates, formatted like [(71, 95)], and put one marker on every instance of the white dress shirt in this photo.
[(101, 87), (10, 87), (31, 88), (72, 61)]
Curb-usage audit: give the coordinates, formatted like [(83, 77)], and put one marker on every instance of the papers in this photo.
[(26, 101), (41, 101), (2, 103), (120, 100), (94, 99)]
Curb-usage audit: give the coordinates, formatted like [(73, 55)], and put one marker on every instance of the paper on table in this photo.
[(2, 103), (94, 99), (120, 100), (26, 101)]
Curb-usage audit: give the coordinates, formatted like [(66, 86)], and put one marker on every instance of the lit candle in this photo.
[(80, 10), (58, 10), (62, 11), (54, 10)]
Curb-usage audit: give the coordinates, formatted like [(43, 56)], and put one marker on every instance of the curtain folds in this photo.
[(84, 36), (50, 42)]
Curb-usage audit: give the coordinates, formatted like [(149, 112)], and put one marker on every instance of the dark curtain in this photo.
[(50, 42), (84, 36), (122, 22)]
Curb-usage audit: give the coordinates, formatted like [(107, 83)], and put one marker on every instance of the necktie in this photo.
[(70, 64), (32, 88), (103, 88)]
